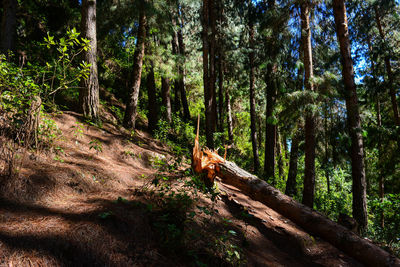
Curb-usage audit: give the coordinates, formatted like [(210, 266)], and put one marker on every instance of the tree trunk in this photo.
[(309, 170), (353, 117), (152, 104), (326, 160), (380, 155), (130, 112), (89, 91), (270, 129), (379, 124), (8, 26), (253, 116), (389, 71), (212, 64), (294, 155), (279, 153), (175, 51), (208, 91), (220, 92), (313, 222), (166, 98), (229, 115), (182, 73)]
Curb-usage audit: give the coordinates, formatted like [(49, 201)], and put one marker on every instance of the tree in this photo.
[(253, 118), (166, 98), (389, 71), (353, 116), (130, 111), (153, 107), (89, 91), (208, 21), (270, 129), (309, 171), (292, 174)]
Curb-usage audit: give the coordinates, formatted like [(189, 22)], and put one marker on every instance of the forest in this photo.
[(302, 94)]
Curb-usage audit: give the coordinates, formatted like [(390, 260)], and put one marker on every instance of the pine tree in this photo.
[(89, 92)]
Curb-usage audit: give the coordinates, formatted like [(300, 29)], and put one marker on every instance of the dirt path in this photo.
[(81, 207)]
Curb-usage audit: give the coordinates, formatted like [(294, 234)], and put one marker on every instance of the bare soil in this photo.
[(78, 206)]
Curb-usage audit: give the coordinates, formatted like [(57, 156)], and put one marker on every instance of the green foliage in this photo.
[(61, 72), (390, 233), (78, 130), (339, 199), (96, 145), (25, 90), (48, 132)]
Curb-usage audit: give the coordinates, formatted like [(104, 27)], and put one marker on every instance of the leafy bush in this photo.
[(390, 233), (25, 90)]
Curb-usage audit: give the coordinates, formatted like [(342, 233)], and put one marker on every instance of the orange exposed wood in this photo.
[(207, 163)]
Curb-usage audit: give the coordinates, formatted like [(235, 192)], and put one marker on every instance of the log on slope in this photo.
[(312, 221)]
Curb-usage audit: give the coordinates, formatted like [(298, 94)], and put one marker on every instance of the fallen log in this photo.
[(313, 222), (212, 165)]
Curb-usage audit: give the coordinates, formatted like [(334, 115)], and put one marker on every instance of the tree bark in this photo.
[(89, 91), (182, 73), (313, 222), (279, 153), (253, 116), (309, 170), (269, 162), (220, 92), (294, 155), (8, 26), (326, 160), (353, 117), (166, 98), (212, 65), (175, 51), (152, 105), (208, 65), (379, 124), (229, 115), (131, 106), (389, 71), (380, 155)]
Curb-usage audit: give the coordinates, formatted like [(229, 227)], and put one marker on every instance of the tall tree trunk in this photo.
[(130, 111), (221, 65), (166, 98), (8, 26), (152, 104), (89, 91), (294, 155), (309, 170), (212, 63), (253, 116), (220, 91), (279, 153), (270, 129), (380, 155), (326, 160), (379, 124), (182, 73), (389, 71), (175, 51), (353, 116), (229, 115), (207, 77)]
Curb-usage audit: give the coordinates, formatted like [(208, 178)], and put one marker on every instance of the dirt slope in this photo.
[(79, 206)]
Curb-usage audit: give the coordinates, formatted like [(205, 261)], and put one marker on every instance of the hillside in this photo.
[(130, 202)]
